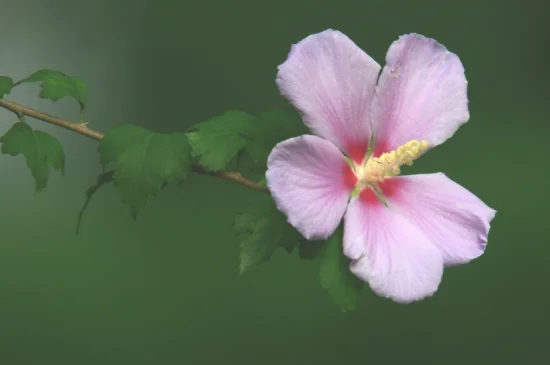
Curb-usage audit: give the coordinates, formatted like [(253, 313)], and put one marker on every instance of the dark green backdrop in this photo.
[(165, 290)]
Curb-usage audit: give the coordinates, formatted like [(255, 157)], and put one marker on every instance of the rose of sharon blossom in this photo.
[(399, 231)]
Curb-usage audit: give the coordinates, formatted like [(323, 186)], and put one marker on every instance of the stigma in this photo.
[(376, 169)]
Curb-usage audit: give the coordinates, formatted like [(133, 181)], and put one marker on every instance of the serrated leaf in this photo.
[(56, 85), (261, 233), (6, 84), (277, 125), (335, 275), (41, 151), (144, 162), (42, 75), (103, 179), (219, 140), (59, 86), (225, 138)]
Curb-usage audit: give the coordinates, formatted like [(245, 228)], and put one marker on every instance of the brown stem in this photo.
[(83, 129)]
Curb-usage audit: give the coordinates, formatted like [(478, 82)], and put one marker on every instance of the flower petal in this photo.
[(421, 94), (310, 182), (390, 252), (331, 81), (453, 218)]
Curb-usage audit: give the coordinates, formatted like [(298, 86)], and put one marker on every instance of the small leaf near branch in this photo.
[(219, 140), (6, 84), (56, 85), (41, 151), (144, 162), (276, 126), (335, 275), (262, 232), (42, 75)]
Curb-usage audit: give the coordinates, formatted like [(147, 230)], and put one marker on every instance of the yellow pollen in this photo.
[(376, 169)]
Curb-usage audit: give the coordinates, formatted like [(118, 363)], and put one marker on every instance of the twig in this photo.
[(83, 129)]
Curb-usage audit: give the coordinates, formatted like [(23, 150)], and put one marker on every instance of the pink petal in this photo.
[(310, 182), (453, 218), (421, 94), (390, 253), (331, 81)]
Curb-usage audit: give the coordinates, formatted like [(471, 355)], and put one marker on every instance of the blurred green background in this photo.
[(164, 289)]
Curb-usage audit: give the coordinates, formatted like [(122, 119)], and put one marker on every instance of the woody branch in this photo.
[(85, 130)]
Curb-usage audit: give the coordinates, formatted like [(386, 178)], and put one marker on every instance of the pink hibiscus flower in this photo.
[(399, 231)]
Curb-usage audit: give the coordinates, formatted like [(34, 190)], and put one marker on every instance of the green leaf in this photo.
[(103, 179), (42, 75), (277, 125), (144, 162), (262, 232), (6, 84), (40, 150), (56, 85), (59, 86), (219, 140), (336, 276)]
